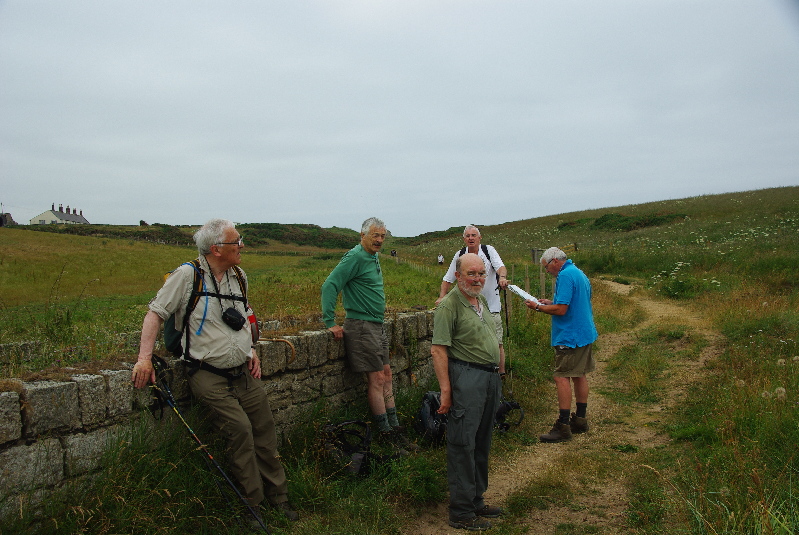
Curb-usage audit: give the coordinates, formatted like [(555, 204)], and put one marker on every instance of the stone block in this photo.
[(274, 356), (48, 405), (92, 398), (335, 349), (10, 417), (120, 392), (300, 353), (26, 468), (84, 452), (316, 346)]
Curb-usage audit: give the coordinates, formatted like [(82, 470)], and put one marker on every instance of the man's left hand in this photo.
[(254, 365)]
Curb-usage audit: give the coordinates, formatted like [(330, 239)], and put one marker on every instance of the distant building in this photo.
[(6, 220), (60, 217)]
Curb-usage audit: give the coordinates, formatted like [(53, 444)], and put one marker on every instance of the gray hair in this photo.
[(553, 253), (467, 227), (372, 222), (211, 233)]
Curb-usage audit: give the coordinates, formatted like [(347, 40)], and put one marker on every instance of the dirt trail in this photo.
[(603, 504)]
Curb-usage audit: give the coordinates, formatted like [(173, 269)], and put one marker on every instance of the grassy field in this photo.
[(732, 258)]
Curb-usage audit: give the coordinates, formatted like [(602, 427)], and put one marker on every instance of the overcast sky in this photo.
[(428, 114)]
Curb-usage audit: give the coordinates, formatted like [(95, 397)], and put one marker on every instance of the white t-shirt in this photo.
[(491, 287)]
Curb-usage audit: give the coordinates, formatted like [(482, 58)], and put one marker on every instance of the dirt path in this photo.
[(605, 499)]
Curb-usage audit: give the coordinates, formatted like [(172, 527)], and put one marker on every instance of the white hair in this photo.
[(467, 227), (372, 222), (211, 233), (552, 253)]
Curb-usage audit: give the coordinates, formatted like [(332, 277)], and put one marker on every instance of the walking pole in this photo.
[(508, 366), (164, 393)]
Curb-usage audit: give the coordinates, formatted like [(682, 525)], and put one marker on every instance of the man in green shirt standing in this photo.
[(468, 366), (360, 281)]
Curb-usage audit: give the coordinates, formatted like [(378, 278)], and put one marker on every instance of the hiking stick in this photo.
[(508, 366), (163, 391)]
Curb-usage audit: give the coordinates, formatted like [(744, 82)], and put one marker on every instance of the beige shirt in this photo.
[(216, 344)]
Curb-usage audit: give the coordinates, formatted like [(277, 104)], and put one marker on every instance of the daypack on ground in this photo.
[(505, 417), (428, 423), (348, 443)]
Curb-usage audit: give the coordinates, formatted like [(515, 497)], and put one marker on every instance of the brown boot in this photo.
[(560, 433), (578, 425)]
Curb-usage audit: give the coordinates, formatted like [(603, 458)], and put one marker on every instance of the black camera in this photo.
[(233, 319)]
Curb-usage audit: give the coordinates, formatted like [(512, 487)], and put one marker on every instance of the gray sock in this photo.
[(381, 421), (392, 416)]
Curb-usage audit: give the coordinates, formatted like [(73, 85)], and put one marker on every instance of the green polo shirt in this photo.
[(466, 335)]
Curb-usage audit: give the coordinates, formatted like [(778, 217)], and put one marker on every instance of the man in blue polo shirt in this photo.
[(573, 333)]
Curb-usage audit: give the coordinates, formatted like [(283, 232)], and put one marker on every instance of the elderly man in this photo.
[(573, 333), (221, 362), (468, 364), (496, 275), (360, 281)]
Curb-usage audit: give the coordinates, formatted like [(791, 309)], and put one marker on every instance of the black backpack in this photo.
[(500, 419), (173, 337), (348, 443), (428, 423)]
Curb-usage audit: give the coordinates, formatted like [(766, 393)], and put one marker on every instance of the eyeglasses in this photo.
[(239, 243), (476, 275)]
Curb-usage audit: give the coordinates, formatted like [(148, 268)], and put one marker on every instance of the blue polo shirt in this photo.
[(575, 328)]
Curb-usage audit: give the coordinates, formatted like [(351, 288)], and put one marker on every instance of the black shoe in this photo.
[(474, 523), (398, 440), (287, 510), (489, 511)]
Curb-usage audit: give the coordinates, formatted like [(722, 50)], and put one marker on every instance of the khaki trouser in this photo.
[(243, 416)]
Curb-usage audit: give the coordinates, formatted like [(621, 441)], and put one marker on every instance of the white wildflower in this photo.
[(781, 362), (779, 393)]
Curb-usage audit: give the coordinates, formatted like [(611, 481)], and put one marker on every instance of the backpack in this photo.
[(505, 407), (428, 423), (173, 337), (484, 248), (348, 443)]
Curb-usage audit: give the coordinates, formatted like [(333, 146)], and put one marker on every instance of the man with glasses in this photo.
[(468, 364), (359, 279), (573, 335), (496, 274), (222, 366)]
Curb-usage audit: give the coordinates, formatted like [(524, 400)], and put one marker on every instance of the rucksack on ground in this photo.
[(509, 413), (348, 444), (428, 423)]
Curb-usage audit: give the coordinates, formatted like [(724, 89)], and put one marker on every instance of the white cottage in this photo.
[(60, 217)]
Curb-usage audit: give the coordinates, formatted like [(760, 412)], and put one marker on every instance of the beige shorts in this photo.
[(574, 361), (498, 321)]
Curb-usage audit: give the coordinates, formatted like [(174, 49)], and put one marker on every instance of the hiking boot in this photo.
[(474, 523), (578, 425), (489, 511), (255, 522), (398, 440), (287, 510), (560, 433)]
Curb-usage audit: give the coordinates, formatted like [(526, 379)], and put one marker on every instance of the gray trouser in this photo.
[(243, 416), (470, 425)]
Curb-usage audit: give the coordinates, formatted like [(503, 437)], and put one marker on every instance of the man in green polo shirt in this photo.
[(359, 279), (468, 365)]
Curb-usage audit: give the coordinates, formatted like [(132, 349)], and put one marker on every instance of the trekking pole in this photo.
[(163, 391), (508, 366)]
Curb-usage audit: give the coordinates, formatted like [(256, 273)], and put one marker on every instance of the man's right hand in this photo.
[(338, 331), (445, 403), (143, 372)]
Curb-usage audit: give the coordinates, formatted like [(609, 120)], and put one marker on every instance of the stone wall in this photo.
[(52, 432)]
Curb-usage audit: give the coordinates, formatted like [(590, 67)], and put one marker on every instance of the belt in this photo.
[(483, 367)]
